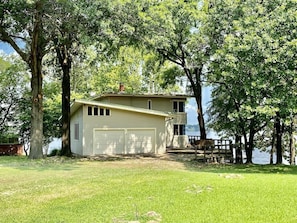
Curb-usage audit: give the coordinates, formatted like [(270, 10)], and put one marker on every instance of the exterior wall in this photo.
[(11, 149), (117, 100), (160, 104), (175, 141), (123, 119), (77, 145), (179, 118)]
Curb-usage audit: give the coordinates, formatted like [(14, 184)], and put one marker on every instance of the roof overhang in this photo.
[(76, 104)]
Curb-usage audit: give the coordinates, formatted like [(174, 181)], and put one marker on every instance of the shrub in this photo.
[(55, 152)]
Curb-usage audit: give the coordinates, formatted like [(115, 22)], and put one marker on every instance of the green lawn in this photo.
[(144, 190)]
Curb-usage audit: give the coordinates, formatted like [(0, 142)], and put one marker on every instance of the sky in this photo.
[(6, 48)]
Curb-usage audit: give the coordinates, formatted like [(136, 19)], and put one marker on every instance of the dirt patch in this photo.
[(164, 161)]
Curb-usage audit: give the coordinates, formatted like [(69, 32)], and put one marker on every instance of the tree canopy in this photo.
[(246, 50), (173, 30), (253, 66)]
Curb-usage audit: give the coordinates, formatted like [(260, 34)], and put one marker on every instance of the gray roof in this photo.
[(173, 96), (76, 104)]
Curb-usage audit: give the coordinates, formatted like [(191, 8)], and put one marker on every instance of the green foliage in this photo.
[(174, 30), (13, 83), (123, 69), (139, 70), (253, 63), (52, 111), (4, 64), (54, 152)]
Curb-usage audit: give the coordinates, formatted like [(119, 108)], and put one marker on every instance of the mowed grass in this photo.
[(144, 190)]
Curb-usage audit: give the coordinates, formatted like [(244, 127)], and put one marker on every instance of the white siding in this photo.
[(120, 119), (77, 144)]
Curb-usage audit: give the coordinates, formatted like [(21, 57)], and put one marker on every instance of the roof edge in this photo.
[(116, 106)]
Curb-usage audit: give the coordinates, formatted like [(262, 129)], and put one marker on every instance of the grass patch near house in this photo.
[(144, 190)]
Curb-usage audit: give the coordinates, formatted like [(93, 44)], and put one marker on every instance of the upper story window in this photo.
[(101, 111), (90, 110), (149, 104), (178, 106), (98, 111)]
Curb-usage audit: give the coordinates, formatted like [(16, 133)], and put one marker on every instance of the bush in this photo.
[(55, 152)]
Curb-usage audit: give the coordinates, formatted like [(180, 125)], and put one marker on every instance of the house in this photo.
[(128, 124), (11, 149), (9, 145)]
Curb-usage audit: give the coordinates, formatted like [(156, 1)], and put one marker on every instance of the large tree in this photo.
[(173, 29), (22, 25), (75, 26), (253, 65), (66, 29)]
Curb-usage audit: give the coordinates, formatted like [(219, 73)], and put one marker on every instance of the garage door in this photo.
[(124, 141), (140, 141), (109, 141)]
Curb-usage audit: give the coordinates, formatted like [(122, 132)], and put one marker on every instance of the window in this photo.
[(101, 111), (179, 129), (182, 129), (90, 110), (76, 131), (178, 106), (96, 111), (175, 129), (181, 106), (107, 112), (175, 106), (149, 104)]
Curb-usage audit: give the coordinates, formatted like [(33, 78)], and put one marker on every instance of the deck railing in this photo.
[(214, 150)]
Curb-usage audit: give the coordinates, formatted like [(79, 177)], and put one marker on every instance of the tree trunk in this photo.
[(238, 151), (195, 80), (66, 148), (36, 141), (250, 146), (201, 119), (278, 130), (249, 153), (292, 148), (35, 63), (272, 145), (65, 63)]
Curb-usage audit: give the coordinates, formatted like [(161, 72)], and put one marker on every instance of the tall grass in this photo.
[(144, 190)]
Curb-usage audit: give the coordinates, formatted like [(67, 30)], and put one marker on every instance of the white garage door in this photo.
[(140, 141), (124, 141), (109, 141)]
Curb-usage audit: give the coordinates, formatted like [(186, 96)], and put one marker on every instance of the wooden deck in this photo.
[(219, 150)]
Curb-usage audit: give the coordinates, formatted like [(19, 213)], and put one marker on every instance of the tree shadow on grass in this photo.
[(48, 163), (239, 168), (68, 164)]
